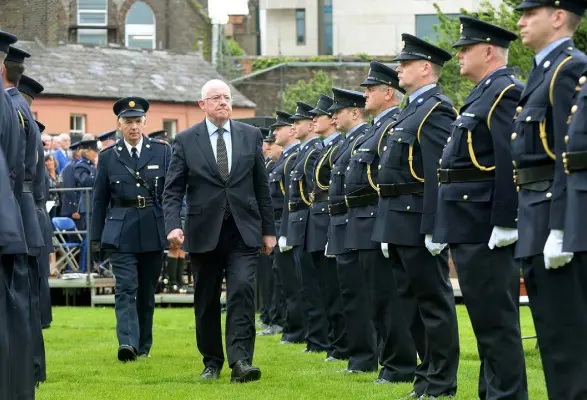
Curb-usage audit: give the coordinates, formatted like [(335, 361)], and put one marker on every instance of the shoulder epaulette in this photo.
[(160, 141), (107, 148)]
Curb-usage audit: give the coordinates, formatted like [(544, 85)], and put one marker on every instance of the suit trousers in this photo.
[(134, 302), (278, 307), (45, 300), (296, 325), (357, 311), (558, 300), (429, 279), (490, 284), (4, 336), (265, 287), (330, 289), (22, 373), (238, 262), (317, 336), (38, 344)]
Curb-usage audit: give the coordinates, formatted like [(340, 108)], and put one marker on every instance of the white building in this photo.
[(348, 27)]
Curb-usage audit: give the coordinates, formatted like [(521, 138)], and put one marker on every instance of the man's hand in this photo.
[(269, 243), (434, 248), (75, 216), (96, 250), (175, 237), (326, 252), (501, 237), (554, 256), (283, 247), (385, 249)]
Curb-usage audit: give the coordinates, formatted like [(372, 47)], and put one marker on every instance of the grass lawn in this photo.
[(81, 357)]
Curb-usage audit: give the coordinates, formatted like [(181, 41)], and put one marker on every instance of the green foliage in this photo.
[(306, 91), (520, 57), (234, 49)]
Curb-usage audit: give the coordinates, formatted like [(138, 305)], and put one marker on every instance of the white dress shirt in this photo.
[(213, 132), (139, 146)]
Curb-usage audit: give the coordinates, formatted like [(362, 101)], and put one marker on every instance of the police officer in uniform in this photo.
[(127, 221), (14, 324), (397, 353), (317, 230), (108, 138), (30, 141), (84, 175), (300, 172), (538, 145), (477, 205), (408, 191), (349, 116), (294, 330), (161, 135)]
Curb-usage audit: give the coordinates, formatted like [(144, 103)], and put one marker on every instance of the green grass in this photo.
[(81, 357)]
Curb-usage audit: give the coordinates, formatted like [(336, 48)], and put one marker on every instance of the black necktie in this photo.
[(222, 160), (134, 153)]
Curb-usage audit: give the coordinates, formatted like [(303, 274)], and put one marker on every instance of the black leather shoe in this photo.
[(332, 359), (243, 372), (126, 353), (412, 395), (210, 374)]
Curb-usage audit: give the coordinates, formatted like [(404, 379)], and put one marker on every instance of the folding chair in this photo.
[(66, 248)]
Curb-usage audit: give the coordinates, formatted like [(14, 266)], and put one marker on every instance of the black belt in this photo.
[(526, 176), (320, 196), (575, 161), (400, 189), (337, 208), (464, 175), (27, 186), (362, 197), (296, 205), (40, 203), (277, 214), (139, 202)]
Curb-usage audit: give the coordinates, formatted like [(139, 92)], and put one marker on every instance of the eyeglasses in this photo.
[(216, 99)]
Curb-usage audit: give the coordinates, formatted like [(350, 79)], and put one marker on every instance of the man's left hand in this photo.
[(269, 243)]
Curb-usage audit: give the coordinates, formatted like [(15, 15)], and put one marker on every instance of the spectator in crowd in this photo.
[(54, 182), (61, 154), (47, 141), (55, 144)]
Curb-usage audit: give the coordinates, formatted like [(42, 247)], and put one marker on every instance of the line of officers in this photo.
[(367, 210)]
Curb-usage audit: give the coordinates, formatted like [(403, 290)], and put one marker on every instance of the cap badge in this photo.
[(131, 104)]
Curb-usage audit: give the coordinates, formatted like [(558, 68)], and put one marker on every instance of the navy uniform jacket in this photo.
[(319, 219), (277, 183), (575, 237), (410, 156), (30, 138), (84, 175), (360, 179), (40, 194), (69, 200), (12, 238), (130, 229), (468, 211), (300, 187), (339, 160), (544, 109)]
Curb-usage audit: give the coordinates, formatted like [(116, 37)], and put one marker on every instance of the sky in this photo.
[(222, 8)]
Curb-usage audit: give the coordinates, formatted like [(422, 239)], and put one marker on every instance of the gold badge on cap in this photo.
[(132, 104)]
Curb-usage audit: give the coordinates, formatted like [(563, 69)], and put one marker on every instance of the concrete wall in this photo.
[(55, 112)]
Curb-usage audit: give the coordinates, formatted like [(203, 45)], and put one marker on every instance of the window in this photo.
[(327, 11), (77, 124), (140, 26), (301, 26), (425, 25), (92, 13), (170, 125)]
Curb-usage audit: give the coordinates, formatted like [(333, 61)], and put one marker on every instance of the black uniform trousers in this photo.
[(490, 284), (430, 283), (4, 336), (558, 300), (296, 325), (22, 374), (45, 299), (330, 289), (238, 262), (356, 308), (38, 343), (265, 286), (134, 302), (317, 336), (278, 308)]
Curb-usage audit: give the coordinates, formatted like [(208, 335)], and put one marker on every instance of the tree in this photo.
[(307, 91), (520, 56)]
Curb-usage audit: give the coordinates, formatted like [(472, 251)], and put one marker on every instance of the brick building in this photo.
[(177, 25)]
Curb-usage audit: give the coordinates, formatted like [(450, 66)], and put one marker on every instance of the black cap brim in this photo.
[(335, 107), (371, 82), (409, 57), (301, 117), (525, 5), (131, 114), (279, 124), (465, 42), (318, 112)]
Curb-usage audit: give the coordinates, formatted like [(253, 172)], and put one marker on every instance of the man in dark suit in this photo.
[(555, 282), (220, 164), (127, 222), (408, 188), (481, 228)]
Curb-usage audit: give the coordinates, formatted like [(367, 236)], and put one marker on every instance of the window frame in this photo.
[(83, 118), (298, 19), (92, 32), (171, 132), (141, 29)]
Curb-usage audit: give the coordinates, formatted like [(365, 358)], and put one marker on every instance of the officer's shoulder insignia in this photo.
[(108, 148)]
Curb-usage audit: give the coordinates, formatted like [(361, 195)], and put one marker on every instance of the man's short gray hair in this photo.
[(64, 136), (502, 53), (213, 83), (397, 95)]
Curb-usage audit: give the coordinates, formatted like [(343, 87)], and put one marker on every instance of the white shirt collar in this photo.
[(213, 128), (139, 147)]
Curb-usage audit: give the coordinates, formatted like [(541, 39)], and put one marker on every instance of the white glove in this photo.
[(326, 252), (502, 237), (282, 243), (554, 256), (385, 250), (434, 248)]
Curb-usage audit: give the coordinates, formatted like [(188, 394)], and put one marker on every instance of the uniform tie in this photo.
[(134, 153), (222, 160)]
